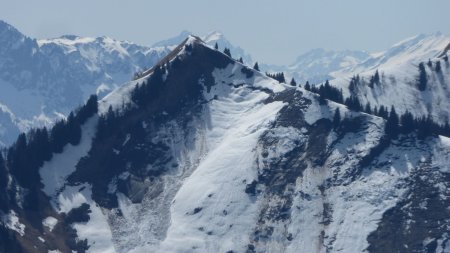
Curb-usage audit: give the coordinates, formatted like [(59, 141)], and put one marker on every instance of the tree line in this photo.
[(395, 123), (32, 149)]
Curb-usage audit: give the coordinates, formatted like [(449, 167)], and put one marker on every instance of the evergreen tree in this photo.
[(375, 111), (354, 83), (58, 136), (88, 110), (307, 86), (4, 178), (17, 158), (277, 76), (424, 127), (407, 122), (281, 78), (353, 103), (375, 79), (392, 124), (446, 58), (256, 66), (241, 60), (3, 175), (293, 82), (216, 47), (422, 80), (438, 68), (382, 112), (336, 118), (73, 130), (430, 64), (367, 109), (227, 51)]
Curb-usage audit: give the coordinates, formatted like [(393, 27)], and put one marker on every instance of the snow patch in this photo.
[(50, 223), (11, 221)]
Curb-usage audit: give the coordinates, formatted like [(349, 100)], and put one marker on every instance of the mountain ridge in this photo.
[(207, 154)]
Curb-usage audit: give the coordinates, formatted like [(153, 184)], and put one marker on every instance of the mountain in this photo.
[(317, 65), (53, 76), (399, 78), (210, 39), (205, 154)]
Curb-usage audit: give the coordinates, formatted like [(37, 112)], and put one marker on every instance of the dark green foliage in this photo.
[(424, 127), (375, 111), (354, 83), (382, 112), (407, 122), (3, 174), (293, 82), (438, 68), (188, 47), (106, 123), (307, 86), (337, 118), (375, 79), (392, 124), (73, 130), (3, 185), (145, 92), (227, 51), (277, 76), (367, 109), (353, 103), (327, 91), (256, 66), (86, 111), (17, 160), (251, 188), (422, 80), (31, 150), (248, 72)]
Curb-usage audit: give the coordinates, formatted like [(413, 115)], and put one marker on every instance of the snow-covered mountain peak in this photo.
[(173, 41), (413, 50), (214, 36)]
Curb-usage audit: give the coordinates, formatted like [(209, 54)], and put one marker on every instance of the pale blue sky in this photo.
[(272, 31)]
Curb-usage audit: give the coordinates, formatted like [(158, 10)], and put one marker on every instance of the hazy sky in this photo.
[(272, 31)]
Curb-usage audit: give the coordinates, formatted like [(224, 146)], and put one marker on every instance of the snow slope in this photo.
[(398, 69)]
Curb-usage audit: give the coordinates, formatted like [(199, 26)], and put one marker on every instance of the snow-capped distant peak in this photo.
[(214, 36), (176, 40), (67, 40)]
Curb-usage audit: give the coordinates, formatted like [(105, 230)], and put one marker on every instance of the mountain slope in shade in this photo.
[(205, 154)]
